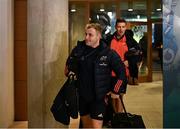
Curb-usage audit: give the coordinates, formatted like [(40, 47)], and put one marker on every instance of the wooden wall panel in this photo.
[(20, 21), (20, 104), (20, 70), (20, 48), (20, 59)]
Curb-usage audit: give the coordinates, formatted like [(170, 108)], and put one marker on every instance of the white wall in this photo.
[(6, 64)]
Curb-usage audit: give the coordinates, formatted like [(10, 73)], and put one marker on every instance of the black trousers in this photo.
[(133, 69)]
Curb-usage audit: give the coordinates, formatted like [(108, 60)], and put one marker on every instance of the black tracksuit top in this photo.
[(101, 61)]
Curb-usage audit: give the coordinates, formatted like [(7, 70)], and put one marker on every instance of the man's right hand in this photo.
[(72, 73), (126, 63)]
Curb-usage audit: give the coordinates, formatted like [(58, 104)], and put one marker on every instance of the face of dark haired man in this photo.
[(121, 28)]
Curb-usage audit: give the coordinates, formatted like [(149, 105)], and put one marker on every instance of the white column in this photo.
[(6, 63), (47, 53)]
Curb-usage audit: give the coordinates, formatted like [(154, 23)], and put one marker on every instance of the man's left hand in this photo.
[(113, 95)]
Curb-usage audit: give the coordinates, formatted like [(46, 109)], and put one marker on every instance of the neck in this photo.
[(96, 44), (121, 34)]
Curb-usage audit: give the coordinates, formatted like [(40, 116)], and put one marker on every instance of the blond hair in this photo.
[(96, 26)]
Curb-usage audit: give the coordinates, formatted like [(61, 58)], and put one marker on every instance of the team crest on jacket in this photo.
[(103, 61), (103, 58)]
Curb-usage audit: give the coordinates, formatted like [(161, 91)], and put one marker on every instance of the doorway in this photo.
[(139, 19), (157, 51)]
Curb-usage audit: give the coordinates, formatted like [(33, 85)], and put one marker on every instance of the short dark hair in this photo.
[(120, 20)]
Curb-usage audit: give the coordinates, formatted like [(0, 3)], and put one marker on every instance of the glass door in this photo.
[(140, 31), (138, 13), (77, 21), (105, 14)]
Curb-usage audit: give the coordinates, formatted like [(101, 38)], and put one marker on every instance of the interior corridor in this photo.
[(146, 99)]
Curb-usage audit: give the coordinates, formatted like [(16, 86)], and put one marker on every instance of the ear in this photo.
[(99, 35)]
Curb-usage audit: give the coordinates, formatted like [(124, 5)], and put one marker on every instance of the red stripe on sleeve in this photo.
[(117, 86)]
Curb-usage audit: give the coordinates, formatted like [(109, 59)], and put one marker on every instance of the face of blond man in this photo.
[(92, 37), (121, 28)]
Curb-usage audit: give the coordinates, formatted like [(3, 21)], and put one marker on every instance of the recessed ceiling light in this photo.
[(102, 10), (159, 9), (73, 10), (130, 9)]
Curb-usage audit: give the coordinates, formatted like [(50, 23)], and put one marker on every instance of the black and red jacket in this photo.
[(106, 61)]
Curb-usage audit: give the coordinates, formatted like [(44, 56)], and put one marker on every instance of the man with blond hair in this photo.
[(92, 62)]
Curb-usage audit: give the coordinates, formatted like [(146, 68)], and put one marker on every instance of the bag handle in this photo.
[(126, 114), (120, 97)]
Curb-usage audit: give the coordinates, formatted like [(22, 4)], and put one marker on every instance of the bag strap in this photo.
[(120, 97), (126, 114)]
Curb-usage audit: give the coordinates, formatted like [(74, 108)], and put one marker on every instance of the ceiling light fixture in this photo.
[(73, 8), (102, 8), (158, 9), (130, 9), (130, 5)]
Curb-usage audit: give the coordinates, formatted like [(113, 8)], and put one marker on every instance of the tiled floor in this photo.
[(144, 99)]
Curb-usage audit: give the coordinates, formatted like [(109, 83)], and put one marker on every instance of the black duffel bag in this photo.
[(123, 120)]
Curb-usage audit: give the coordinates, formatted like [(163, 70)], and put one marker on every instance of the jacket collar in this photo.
[(117, 36), (83, 44)]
